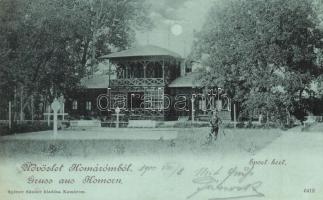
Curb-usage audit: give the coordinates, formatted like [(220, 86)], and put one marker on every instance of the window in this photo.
[(119, 100), (74, 105), (202, 104), (135, 99), (155, 98), (88, 105)]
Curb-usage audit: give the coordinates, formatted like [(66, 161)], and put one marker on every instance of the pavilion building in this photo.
[(149, 82)]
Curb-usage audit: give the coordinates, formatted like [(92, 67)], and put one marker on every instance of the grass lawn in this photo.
[(231, 141), (172, 164), (188, 141)]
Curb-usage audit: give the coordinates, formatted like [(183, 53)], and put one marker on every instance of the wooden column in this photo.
[(127, 71), (192, 101), (154, 70), (145, 69), (163, 68), (110, 73)]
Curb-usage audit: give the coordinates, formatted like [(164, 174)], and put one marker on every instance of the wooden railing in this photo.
[(314, 118), (140, 113), (137, 82)]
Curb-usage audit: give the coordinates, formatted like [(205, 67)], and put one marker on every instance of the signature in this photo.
[(233, 184)]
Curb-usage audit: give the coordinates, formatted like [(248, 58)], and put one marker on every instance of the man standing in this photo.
[(215, 124)]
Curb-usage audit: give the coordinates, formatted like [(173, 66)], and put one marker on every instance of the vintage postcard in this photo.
[(161, 99)]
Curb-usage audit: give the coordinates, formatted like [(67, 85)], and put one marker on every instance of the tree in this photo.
[(262, 52), (47, 46)]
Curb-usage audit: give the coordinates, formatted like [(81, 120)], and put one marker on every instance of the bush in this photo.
[(250, 125), (4, 130), (228, 125), (24, 128), (190, 125), (240, 125)]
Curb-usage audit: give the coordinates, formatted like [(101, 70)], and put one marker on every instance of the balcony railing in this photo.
[(137, 82)]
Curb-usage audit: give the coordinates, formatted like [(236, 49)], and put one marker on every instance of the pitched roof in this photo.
[(190, 80), (142, 51), (95, 82)]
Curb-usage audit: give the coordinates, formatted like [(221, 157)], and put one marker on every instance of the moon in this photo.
[(177, 29)]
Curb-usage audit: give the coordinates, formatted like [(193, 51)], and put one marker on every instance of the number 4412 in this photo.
[(309, 190)]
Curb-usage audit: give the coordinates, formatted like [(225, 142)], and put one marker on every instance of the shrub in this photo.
[(190, 125), (4, 130), (24, 128), (240, 125)]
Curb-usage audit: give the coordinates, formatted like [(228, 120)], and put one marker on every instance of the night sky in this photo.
[(175, 22)]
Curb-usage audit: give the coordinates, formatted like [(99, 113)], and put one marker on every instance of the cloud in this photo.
[(175, 3), (167, 8), (189, 14)]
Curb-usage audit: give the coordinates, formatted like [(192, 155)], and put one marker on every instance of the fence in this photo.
[(10, 113)]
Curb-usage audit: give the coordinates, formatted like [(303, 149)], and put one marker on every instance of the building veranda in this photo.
[(146, 83)]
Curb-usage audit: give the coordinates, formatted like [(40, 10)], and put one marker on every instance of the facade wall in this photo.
[(83, 104), (203, 104), (142, 103)]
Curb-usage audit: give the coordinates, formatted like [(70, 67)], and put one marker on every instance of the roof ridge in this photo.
[(141, 51)]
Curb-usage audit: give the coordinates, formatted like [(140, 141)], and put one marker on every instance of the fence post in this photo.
[(235, 115), (21, 105), (117, 110), (48, 116), (63, 111), (32, 108), (9, 115), (192, 109)]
